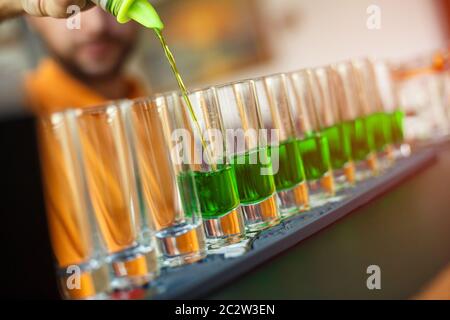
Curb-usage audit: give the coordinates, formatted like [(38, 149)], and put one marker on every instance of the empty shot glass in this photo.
[(290, 179), (249, 154), (112, 185), (80, 257)]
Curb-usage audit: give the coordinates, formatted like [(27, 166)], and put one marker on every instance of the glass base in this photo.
[(226, 230), (182, 244), (323, 190), (88, 281), (367, 168), (135, 267), (233, 250), (386, 158), (402, 151), (293, 201), (261, 216), (345, 178)]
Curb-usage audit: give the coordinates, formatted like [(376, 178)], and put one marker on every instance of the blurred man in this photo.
[(85, 66)]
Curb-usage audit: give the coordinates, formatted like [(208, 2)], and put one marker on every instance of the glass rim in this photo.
[(272, 75), (95, 108)]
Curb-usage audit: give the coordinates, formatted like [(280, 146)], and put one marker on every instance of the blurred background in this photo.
[(220, 40)]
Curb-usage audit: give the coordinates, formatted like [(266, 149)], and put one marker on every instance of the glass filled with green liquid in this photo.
[(248, 153), (351, 112), (377, 119), (338, 133), (167, 192), (313, 143), (287, 163), (394, 114), (213, 173)]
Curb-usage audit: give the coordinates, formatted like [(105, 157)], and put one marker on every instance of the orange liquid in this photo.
[(155, 169), (68, 228), (108, 175)]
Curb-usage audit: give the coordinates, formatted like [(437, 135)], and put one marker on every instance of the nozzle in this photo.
[(140, 11)]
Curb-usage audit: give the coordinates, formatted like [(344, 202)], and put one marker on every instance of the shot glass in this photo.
[(285, 147), (352, 109), (391, 103), (423, 90), (80, 257), (199, 126), (168, 192), (107, 164), (378, 121), (314, 146), (338, 133), (249, 154)]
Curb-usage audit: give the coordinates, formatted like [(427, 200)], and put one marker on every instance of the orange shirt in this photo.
[(50, 88)]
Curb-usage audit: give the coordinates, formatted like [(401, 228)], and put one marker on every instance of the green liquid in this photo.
[(217, 192), (315, 153), (361, 143), (397, 120), (253, 186), (290, 166), (379, 125), (340, 144)]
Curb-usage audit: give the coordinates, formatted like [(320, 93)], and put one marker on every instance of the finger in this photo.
[(59, 8)]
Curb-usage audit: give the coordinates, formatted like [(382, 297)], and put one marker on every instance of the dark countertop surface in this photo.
[(406, 232)]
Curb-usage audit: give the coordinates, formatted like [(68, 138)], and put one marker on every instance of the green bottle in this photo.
[(140, 11)]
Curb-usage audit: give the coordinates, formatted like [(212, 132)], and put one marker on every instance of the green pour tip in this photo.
[(142, 12)]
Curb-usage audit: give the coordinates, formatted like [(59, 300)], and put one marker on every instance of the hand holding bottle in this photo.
[(52, 8), (40, 8)]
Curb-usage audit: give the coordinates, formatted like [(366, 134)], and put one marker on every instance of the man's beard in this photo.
[(74, 69)]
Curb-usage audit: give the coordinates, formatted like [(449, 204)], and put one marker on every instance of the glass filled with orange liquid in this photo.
[(80, 256), (113, 191)]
